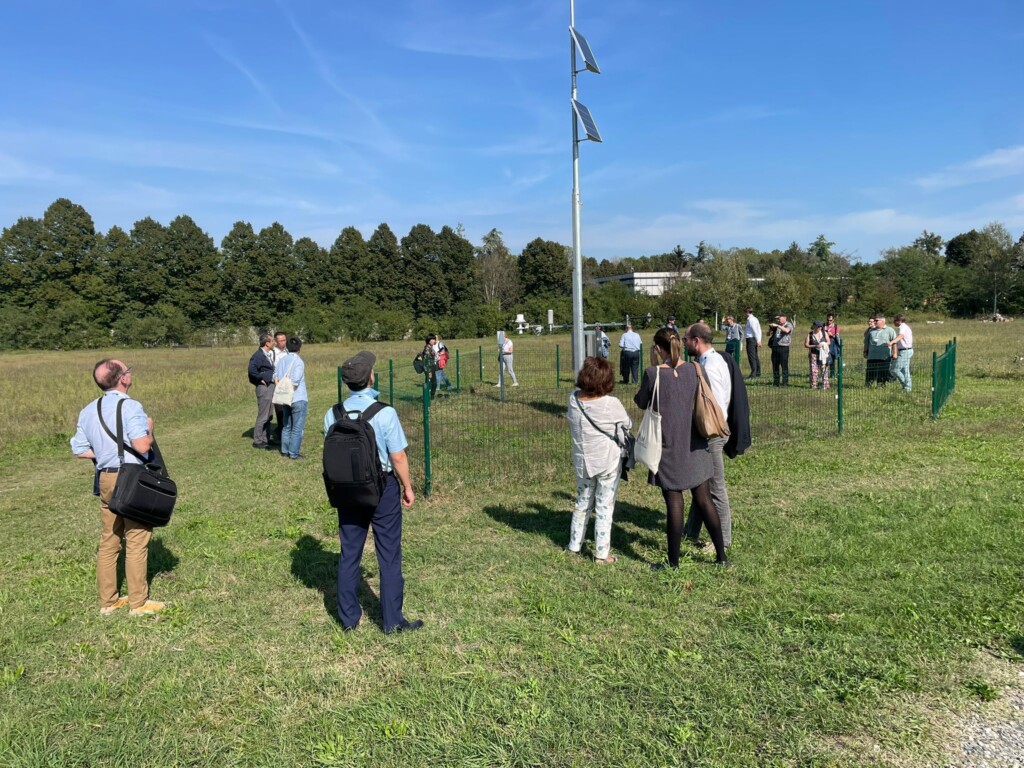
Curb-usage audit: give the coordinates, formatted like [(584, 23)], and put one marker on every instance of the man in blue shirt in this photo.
[(91, 441), (386, 519), (629, 357)]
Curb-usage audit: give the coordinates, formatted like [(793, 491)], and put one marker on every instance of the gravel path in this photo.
[(992, 735)]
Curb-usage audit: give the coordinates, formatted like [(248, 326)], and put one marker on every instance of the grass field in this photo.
[(870, 572)]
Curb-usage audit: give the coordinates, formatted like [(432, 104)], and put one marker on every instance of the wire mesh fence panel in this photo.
[(874, 402)]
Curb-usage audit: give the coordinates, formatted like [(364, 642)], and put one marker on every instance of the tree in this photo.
[(930, 243), (422, 280), (455, 256), (145, 268), (194, 280), (995, 263), (242, 281), (496, 268), (387, 260), (544, 269), (914, 274), (820, 251), (723, 283), (962, 248), (274, 262)]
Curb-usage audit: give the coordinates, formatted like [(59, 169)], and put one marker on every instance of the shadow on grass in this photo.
[(1017, 643), (552, 409), (318, 569), (160, 560), (554, 523)]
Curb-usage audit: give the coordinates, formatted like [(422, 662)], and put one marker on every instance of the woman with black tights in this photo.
[(686, 462)]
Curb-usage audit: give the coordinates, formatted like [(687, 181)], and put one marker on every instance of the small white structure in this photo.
[(521, 324), (651, 283)]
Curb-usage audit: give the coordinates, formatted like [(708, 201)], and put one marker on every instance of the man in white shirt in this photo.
[(278, 353), (752, 337), (601, 342), (698, 339), (629, 357), (903, 345), (505, 362)]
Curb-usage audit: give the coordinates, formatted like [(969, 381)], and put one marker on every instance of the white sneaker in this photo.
[(498, 385), (515, 384)]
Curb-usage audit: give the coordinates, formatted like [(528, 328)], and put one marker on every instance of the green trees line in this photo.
[(65, 285)]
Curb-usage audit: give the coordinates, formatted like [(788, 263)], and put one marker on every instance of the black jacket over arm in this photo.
[(738, 417)]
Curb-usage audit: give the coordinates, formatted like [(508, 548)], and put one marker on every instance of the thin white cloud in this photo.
[(747, 113), (1000, 164), (15, 171), (382, 139), (485, 31), (221, 48)]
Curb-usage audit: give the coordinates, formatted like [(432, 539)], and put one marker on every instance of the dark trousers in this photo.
[(876, 372), (629, 365), (780, 365), (753, 358), (386, 520), (279, 417), (733, 348)]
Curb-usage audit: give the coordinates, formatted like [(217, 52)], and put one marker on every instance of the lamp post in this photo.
[(580, 114)]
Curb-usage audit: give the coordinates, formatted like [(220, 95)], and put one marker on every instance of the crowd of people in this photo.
[(689, 462), (598, 426)]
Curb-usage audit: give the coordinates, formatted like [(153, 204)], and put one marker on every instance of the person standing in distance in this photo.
[(277, 354), (601, 342), (91, 441), (629, 357), (783, 330), (261, 375), (752, 337), (386, 519), (733, 337), (904, 346), (505, 361)]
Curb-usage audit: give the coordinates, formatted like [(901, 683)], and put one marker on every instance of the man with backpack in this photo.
[(366, 472)]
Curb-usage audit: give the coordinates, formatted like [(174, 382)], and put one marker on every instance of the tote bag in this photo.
[(707, 413), (648, 438), (285, 390)]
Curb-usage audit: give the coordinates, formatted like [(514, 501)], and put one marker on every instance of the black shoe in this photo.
[(259, 447), (695, 543), (723, 563), (296, 458), (406, 626), (656, 567), (346, 630)]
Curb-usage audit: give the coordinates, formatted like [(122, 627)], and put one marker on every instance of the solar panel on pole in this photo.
[(589, 61), (588, 121)]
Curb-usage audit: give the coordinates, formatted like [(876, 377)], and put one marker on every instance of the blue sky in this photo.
[(738, 122)]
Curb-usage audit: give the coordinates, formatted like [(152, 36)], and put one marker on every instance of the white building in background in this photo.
[(651, 283)]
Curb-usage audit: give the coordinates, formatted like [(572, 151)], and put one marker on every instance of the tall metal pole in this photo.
[(577, 253)]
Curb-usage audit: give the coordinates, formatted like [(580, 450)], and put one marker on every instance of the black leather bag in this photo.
[(143, 492)]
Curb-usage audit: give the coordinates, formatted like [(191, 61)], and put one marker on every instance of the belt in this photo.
[(110, 469)]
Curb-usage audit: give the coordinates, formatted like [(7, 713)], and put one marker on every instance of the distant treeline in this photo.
[(65, 285)]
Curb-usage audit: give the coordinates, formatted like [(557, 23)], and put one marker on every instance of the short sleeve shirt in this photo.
[(386, 426), (90, 435)]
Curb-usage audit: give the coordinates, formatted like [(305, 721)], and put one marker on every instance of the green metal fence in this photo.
[(943, 377), (485, 431)]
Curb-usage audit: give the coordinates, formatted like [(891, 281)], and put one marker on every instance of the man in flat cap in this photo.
[(386, 519)]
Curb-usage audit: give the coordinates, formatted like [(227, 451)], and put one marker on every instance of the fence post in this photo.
[(339, 384), (839, 393), (391, 382), (935, 385), (481, 362), (458, 373), (558, 366), (427, 479)]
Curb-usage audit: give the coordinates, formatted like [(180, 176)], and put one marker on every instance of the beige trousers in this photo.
[(136, 536)]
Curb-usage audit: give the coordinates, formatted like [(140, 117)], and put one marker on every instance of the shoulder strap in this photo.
[(372, 410), (576, 397), (119, 437)]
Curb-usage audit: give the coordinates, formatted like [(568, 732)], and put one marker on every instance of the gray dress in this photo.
[(685, 459)]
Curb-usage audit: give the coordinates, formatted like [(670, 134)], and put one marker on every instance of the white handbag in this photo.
[(284, 390), (648, 437)]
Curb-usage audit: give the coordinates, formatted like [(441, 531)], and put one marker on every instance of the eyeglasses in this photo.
[(126, 371)]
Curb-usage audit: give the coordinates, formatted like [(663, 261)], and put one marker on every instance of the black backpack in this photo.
[(352, 472), (417, 363)]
